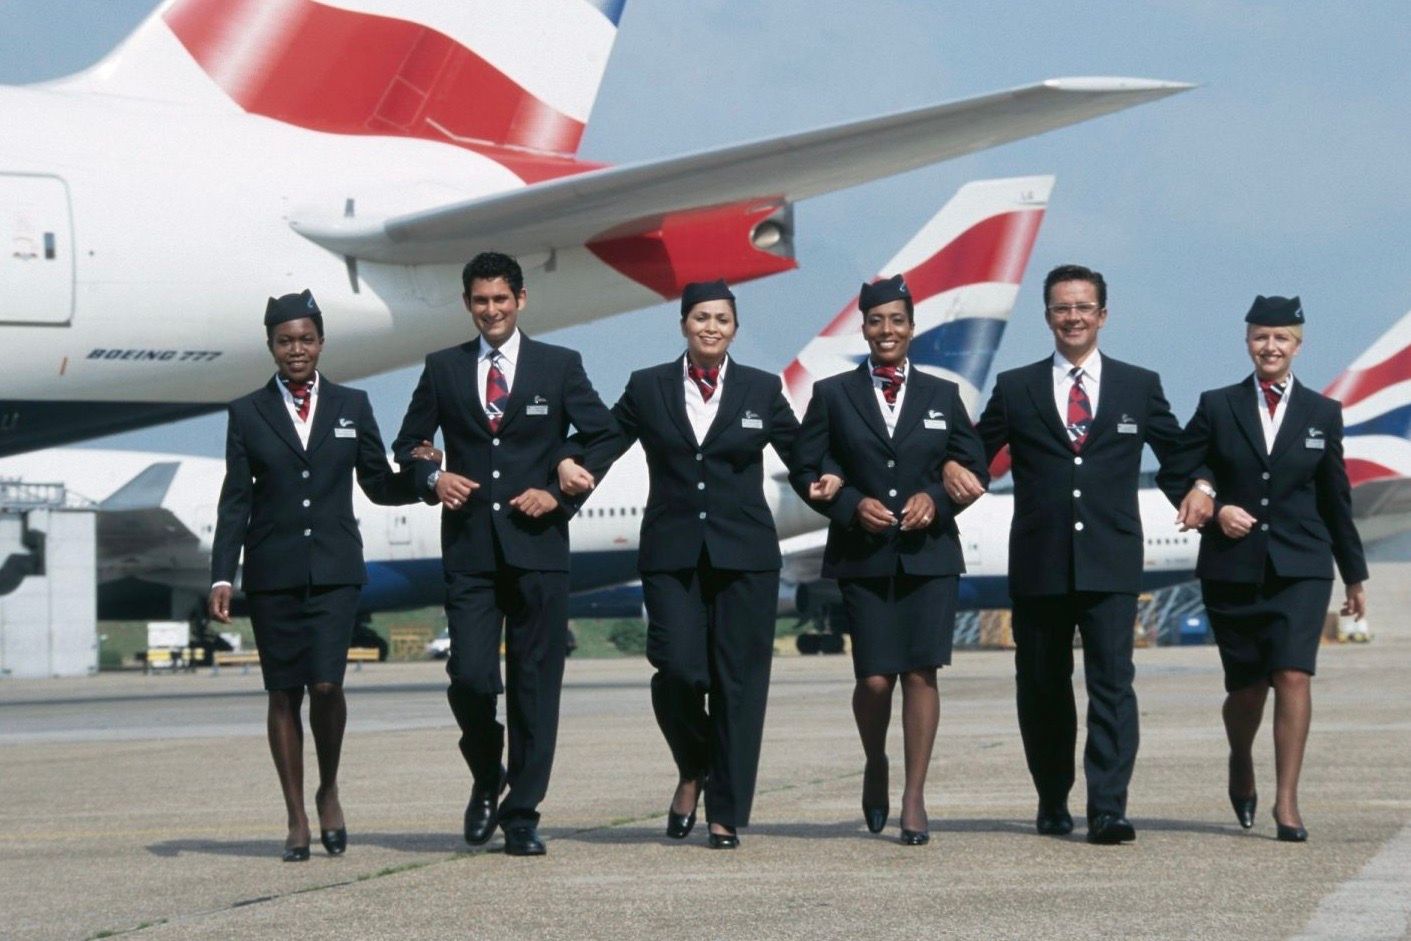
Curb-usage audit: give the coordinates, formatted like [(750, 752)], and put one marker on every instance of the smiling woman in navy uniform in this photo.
[(709, 555), (291, 449), (892, 543), (1283, 515)]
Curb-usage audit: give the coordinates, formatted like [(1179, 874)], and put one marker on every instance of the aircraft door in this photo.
[(399, 530), (36, 250)]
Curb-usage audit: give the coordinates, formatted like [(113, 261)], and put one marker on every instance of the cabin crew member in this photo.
[(287, 500), (709, 555), (1284, 515), (1075, 423), (503, 403), (892, 543)]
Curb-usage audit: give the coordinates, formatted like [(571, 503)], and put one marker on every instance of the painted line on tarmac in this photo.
[(1373, 905)]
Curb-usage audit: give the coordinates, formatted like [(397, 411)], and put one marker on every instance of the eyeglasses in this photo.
[(1084, 309)]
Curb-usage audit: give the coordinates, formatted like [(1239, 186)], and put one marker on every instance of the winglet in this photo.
[(146, 491)]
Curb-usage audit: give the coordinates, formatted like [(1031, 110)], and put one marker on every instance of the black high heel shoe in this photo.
[(296, 854), (875, 815), (911, 837), (1290, 834), (915, 837), (1244, 808), (678, 826), (334, 841)]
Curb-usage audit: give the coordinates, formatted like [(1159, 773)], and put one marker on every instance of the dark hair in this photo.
[(1076, 273), (488, 266)]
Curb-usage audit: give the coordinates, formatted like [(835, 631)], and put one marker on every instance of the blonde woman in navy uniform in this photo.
[(892, 543), (292, 449), (1283, 516), (709, 555)]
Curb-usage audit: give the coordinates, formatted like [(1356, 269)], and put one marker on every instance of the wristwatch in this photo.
[(1205, 488), (436, 475)]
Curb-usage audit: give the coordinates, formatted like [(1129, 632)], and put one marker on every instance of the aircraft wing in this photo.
[(634, 199), (139, 537)]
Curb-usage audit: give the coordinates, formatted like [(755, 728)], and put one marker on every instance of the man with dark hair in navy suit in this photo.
[(504, 404)]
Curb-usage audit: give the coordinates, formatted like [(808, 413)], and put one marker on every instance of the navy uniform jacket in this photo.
[(550, 393), (843, 432), (1076, 523), (709, 494), (1299, 494), (291, 509)]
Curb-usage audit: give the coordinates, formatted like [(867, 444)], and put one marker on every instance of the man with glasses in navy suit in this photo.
[(1075, 424)]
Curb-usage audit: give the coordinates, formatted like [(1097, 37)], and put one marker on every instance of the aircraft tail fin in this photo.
[(1375, 392), (963, 270), (479, 74)]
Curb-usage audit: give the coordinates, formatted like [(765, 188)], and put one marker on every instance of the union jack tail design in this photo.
[(1375, 392), (963, 271)]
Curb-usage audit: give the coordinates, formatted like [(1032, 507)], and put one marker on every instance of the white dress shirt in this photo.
[(698, 410), (889, 411), (509, 355), (1063, 382), (302, 426), (1271, 425)]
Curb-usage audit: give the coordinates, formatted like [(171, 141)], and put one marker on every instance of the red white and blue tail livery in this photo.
[(1375, 392), (963, 270)]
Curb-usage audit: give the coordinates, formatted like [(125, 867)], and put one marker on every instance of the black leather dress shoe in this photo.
[(724, 841), (523, 840), (482, 812), (874, 780), (334, 841), (296, 854), (1244, 808), (1053, 820), (1287, 834), (1110, 829)]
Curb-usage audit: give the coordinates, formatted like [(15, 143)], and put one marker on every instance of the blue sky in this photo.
[(1283, 173)]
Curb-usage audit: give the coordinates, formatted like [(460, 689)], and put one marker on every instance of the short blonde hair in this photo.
[(1295, 330)]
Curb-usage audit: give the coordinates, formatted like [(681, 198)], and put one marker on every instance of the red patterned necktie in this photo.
[(892, 377), (1273, 393), (497, 392), (705, 379), (301, 393), (1080, 410)]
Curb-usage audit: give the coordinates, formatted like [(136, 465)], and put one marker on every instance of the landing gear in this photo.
[(365, 636), (830, 623)]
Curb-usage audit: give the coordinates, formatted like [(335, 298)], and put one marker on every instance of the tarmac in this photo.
[(147, 806)]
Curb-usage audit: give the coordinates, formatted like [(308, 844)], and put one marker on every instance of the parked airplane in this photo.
[(157, 512), (230, 149)]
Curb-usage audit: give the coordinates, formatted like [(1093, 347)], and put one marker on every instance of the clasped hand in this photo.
[(873, 515)]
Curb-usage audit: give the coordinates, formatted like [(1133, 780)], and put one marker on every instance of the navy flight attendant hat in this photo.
[(293, 307), (883, 292), (698, 291), (1275, 312)]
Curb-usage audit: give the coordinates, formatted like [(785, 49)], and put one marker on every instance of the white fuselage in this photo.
[(171, 226), (608, 524)]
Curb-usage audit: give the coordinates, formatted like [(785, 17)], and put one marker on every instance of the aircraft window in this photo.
[(612, 511)]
